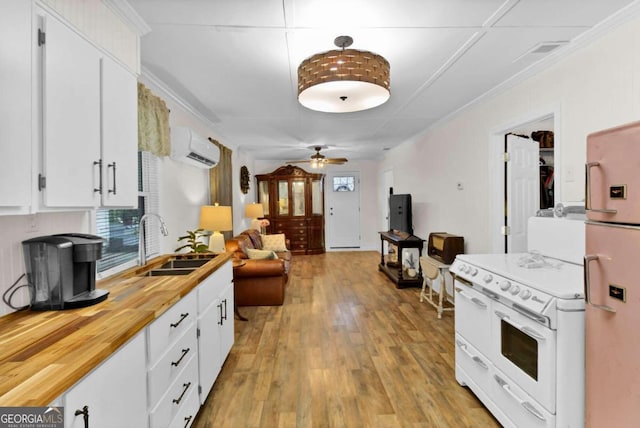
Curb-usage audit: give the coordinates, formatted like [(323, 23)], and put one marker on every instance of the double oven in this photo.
[(519, 328)]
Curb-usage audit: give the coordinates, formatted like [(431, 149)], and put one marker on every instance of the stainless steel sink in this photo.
[(184, 263), (168, 272)]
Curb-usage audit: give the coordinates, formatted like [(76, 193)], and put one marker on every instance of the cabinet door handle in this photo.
[(225, 309), (187, 420), (99, 188), (85, 415), (184, 391), (184, 353), (112, 165), (220, 307), (182, 317)]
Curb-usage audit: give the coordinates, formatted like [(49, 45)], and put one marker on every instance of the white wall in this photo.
[(595, 87)]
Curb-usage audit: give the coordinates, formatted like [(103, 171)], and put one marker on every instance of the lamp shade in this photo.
[(253, 211), (216, 218), (342, 81)]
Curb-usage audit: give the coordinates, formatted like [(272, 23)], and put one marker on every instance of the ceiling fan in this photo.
[(319, 160)]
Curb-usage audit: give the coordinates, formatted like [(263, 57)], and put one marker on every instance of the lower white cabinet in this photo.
[(113, 394), (160, 378), (215, 325), (172, 361)]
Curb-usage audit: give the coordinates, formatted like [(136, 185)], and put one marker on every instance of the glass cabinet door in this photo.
[(316, 197), (283, 197), (263, 196), (297, 190)]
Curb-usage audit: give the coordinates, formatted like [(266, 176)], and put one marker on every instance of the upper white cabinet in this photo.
[(119, 136), (71, 118), (114, 394), (89, 123), (15, 106)]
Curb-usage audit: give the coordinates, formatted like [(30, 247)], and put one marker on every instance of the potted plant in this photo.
[(193, 241)]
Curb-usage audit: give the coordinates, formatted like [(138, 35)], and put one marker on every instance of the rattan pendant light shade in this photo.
[(345, 80)]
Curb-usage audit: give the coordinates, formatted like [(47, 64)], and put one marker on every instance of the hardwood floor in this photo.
[(347, 349)]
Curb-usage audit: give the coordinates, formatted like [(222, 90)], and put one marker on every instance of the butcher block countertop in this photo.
[(42, 354)]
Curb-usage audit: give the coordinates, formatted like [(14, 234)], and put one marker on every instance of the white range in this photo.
[(519, 323)]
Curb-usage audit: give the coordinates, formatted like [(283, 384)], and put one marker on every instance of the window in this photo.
[(120, 227), (344, 184)]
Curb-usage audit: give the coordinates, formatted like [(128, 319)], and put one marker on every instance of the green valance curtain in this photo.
[(153, 123)]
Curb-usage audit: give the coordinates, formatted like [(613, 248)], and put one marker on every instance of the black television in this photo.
[(400, 213)]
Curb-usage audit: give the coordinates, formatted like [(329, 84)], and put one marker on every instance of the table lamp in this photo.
[(216, 218), (254, 212)]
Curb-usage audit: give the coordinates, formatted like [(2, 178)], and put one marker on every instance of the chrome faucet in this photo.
[(142, 254)]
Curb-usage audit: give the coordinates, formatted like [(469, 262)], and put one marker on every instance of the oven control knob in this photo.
[(464, 268), (488, 278), (525, 294), (504, 285), (515, 290), (474, 271)]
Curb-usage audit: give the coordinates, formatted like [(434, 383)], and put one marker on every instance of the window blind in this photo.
[(120, 227)]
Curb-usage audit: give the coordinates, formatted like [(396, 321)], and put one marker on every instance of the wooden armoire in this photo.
[(293, 202)]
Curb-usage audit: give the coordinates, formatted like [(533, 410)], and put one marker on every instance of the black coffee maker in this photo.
[(61, 271)]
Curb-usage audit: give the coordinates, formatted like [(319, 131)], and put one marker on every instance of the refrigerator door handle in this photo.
[(587, 284), (587, 203)]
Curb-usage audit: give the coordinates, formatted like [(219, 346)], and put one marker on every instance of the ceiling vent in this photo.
[(542, 48)]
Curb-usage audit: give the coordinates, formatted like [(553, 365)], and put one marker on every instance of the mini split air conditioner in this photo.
[(191, 148)]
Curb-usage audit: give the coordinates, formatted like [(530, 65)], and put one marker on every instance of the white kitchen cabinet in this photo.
[(114, 394), (215, 325), (119, 98), (172, 362), (70, 118), (89, 123), (15, 106)]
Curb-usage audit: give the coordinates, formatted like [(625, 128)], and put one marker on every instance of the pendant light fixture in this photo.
[(343, 81)]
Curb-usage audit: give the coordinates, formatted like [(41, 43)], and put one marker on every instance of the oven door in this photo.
[(472, 316), (525, 351)]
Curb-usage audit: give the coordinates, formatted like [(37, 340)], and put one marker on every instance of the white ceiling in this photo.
[(236, 62)]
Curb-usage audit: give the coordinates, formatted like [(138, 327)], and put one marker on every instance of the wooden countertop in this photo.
[(42, 354)]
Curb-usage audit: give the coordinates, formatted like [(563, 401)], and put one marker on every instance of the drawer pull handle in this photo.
[(184, 391), (85, 415), (187, 420), (182, 317), (184, 353)]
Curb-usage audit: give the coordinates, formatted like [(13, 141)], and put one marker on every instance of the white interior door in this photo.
[(343, 214), (523, 190)]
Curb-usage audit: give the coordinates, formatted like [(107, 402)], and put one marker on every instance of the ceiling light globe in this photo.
[(343, 81)]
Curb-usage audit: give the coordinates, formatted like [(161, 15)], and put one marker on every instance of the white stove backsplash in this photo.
[(560, 238)]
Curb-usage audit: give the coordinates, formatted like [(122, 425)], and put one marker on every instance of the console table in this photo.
[(394, 269)]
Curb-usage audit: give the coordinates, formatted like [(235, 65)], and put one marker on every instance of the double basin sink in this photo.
[(181, 265)]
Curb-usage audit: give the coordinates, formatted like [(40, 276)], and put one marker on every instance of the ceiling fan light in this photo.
[(343, 81)]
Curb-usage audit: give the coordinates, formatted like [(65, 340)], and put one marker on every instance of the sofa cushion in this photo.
[(274, 242), (261, 254), (254, 236)]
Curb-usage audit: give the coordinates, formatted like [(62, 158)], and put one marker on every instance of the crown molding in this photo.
[(621, 17), (148, 76), (124, 10)]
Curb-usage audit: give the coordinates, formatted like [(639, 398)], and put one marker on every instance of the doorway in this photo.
[(522, 171), (343, 220)]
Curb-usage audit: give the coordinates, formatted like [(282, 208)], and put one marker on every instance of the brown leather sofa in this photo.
[(257, 282)]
